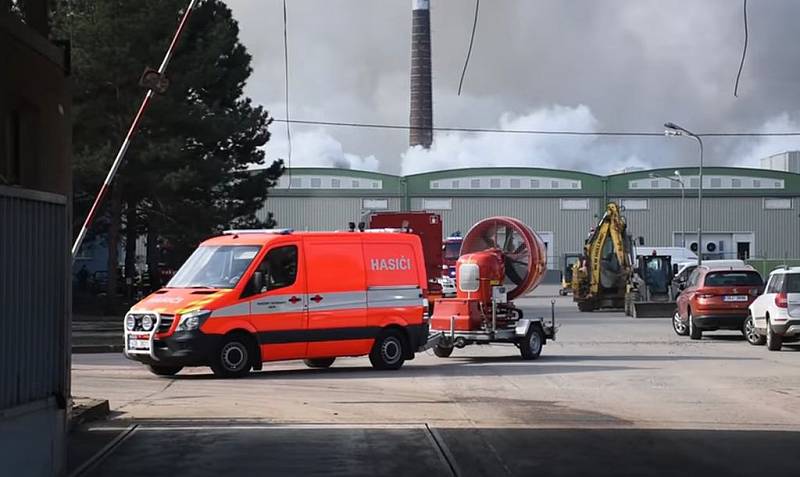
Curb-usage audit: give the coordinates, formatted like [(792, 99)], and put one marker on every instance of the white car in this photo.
[(775, 315)]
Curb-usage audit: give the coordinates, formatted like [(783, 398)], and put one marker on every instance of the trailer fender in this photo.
[(523, 325)]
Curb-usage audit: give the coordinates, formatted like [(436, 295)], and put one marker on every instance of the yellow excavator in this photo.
[(601, 275)]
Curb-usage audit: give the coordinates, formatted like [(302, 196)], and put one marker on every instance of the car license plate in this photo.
[(134, 344), (735, 298)]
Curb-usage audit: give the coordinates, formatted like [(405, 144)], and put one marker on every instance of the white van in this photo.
[(676, 254)]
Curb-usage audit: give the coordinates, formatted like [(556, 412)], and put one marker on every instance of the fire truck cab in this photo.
[(251, 296)]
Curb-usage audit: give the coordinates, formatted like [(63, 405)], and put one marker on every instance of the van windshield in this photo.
[(218, 266), (733, 279)]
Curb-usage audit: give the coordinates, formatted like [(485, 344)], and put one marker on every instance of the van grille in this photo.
[(166, 323)]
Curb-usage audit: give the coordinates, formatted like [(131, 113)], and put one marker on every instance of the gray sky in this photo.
[(536, 64)]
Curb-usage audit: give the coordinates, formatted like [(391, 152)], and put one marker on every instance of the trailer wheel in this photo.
[(233, 357), (585, 306), (319, 362), (388, 352), (530, 347), (164, 370), (443, 351)]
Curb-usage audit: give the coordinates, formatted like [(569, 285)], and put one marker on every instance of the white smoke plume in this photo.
[(456, 150), (751, 152)]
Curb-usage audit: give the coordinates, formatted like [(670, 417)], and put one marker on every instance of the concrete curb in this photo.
[(87, 349), (86, 410)]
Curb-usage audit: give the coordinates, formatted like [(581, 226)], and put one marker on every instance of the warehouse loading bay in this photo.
[(612, 396)]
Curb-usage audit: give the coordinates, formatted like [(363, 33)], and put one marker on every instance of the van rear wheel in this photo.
[(319, 362), (164, 370), (233, 357), (389, 351)]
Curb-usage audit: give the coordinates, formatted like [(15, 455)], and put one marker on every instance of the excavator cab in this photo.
[(566, 273), (649, 291)]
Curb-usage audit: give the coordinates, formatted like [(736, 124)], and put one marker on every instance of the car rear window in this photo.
[(792, 283), (733, 279)]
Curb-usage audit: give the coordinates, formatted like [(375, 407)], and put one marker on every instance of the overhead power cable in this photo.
[(541, 132), (469, 50), (744, 52)]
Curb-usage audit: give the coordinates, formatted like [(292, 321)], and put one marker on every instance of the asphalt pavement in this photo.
[(612, 396)]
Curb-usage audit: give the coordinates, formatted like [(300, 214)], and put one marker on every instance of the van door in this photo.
[(278, 310), (337, 298)]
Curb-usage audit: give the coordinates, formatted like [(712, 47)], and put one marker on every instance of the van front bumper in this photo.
[(182, 348)]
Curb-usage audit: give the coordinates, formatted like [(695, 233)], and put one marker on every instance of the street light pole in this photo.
[(675, 130)]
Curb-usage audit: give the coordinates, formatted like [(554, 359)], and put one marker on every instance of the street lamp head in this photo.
[(671, 126), (677, 173)]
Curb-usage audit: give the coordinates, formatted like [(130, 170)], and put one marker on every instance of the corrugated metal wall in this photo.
[(569, 227), (33, 297), (317, 213), (776, 231)]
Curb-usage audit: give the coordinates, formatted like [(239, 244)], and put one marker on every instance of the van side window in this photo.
[(693, 278), (279, 268)]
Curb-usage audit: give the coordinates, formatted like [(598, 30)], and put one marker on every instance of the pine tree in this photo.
[(188, 172)]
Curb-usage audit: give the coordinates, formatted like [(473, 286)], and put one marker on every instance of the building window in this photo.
[(355, 184), (316, 182), (297, 182), (494, 183), (575, 185), (454, 184), (674, 184), (475, 184), (777, 204), (654, 184), (694, 183), (634, 204), (375, 204), (716, 182), (574, 204), (534, 183), (634, 185), (736, 183), (377, 184), (779, 184), (336, 183), (437, 204), (515, 183), (435, 185), (756, 183), (554, 184)]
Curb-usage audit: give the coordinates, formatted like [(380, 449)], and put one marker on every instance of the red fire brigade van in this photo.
[(251, 296)]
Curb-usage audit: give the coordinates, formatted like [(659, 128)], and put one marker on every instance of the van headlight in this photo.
[(192, 320), (148, 321), (130, 322)]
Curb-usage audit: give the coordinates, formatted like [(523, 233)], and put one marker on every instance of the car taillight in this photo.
[(781, 301), (706, 295)]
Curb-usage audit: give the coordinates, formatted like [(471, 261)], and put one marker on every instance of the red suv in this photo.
[(716, 298)]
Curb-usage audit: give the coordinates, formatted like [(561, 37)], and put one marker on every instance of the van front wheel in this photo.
[(389, 351), (233, 358), (159, 370)]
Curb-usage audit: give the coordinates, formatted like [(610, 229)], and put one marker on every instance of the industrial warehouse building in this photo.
[(747, 213)]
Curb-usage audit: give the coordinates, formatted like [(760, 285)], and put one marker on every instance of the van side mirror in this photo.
[(674, 268), (258, 281)]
